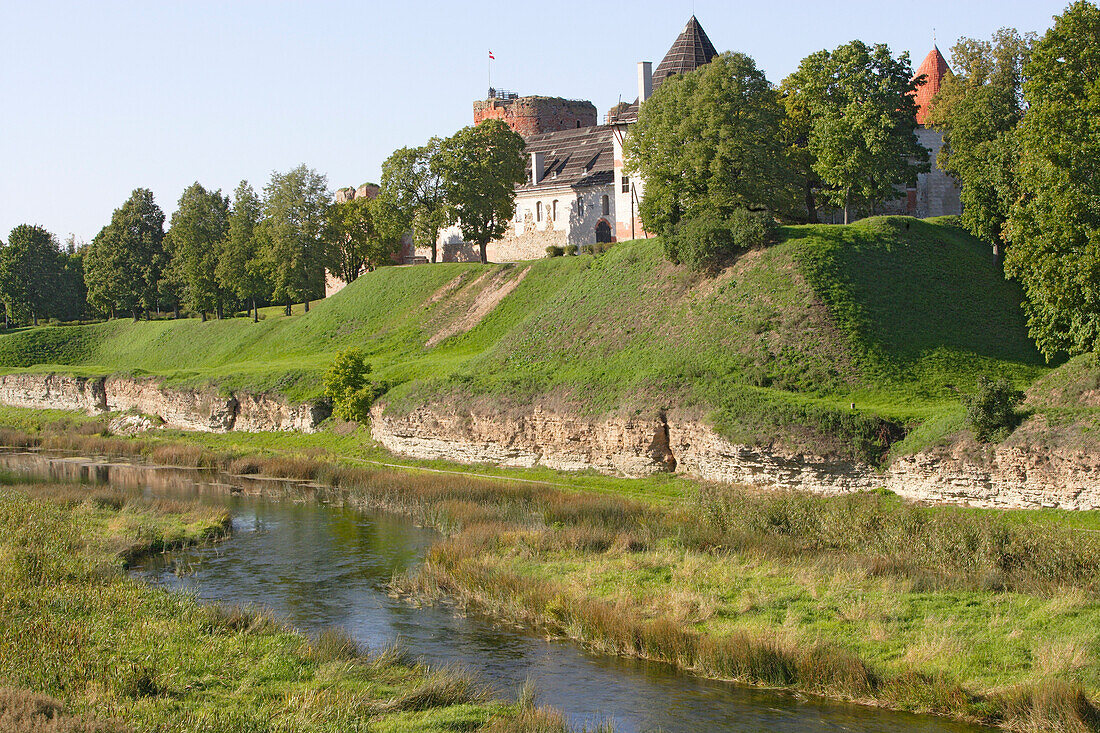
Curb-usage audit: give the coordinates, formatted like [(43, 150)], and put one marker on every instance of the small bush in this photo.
[(346, 384), (991, 410), (555, 251), (703, 242), (570, 249)]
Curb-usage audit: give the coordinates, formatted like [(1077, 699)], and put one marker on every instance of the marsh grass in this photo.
[(22, 711)]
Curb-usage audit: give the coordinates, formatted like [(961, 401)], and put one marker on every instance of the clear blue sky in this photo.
[(97, 98)]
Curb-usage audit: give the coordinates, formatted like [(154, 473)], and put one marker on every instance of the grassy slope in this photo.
[(893, 314)]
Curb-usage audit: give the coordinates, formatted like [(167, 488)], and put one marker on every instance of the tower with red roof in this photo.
[(936, 193)]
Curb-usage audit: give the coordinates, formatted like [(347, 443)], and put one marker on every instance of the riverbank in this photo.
[(968, 613), (125, 656)]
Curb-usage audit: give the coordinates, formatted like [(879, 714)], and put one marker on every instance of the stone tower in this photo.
[(534, 115)]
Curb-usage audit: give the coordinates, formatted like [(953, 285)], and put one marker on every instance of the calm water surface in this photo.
[(322, 565)]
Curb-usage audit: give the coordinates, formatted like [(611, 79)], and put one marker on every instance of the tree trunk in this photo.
[(146, 314), (218, 311), (847, 195), (481, 250), (306, 303), (811, 204), (255, 312), (286, 308), (204, 316), (135, 315), (7, 324), (434, 246), (34, 318)]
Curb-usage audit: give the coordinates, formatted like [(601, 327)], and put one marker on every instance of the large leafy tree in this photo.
[(295, 211), (196, 240), (481, 165), (124, 263), (363, 234), (709, 143), (412, 181), (978, 108), (861, 130), (242, 270), (1053, 228), (30, 269)]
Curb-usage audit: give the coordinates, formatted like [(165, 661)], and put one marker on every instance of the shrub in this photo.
[(991, 410), (346, 384), (570, 249), (555, 251), (703, 242)]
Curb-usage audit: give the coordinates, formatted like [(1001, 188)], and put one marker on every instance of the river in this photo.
[(319, 565)]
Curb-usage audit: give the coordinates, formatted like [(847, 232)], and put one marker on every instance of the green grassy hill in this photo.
[(893, 314)]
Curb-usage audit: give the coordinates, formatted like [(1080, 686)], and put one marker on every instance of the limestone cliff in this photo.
[(187, 409)]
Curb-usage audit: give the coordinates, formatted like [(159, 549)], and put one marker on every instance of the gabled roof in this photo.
[(689, 51), (935, 68), (575, 157)]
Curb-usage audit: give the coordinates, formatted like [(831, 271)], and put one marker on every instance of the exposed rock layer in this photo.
[(1017, 473), (188, 409)]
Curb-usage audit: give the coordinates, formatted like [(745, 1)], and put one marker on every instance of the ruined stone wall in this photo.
[(183, 408), (533, 115)]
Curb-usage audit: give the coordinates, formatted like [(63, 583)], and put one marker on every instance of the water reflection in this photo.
[(324, 565)]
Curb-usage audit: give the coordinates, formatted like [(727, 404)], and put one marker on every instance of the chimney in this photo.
[(645, 80), (538, 162)]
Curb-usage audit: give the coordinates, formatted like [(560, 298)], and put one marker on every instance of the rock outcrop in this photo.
[(184, 408), (1019, 473)]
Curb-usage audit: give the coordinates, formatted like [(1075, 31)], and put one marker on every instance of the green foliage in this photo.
[(855, 106), (708, 143), (295, 206), (196, 241), (362, 235), (555, 250), (480, 167), (977, 109), (991, 409), (346, 384), (413, 182), (1054, 225), (123, 266), (707, 241), (241, 269), (30, 273)]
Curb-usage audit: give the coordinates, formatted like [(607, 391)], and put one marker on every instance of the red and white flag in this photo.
[(491, 56)]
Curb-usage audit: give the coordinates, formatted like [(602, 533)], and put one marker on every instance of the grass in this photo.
[(893, 314), (971, 613), (125, 656)]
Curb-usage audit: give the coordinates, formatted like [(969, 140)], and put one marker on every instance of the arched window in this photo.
[(554, 210), (580, 208), (603, 231), (606, 203), (538, 211)]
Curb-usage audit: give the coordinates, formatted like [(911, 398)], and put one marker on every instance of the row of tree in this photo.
[(221, 254), (1019, 121)]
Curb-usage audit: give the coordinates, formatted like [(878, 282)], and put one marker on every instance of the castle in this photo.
[(577, 192)]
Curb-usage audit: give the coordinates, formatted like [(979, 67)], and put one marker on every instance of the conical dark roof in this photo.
[(691, 50)]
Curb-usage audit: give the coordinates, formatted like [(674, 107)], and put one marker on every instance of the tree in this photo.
[(295, 207), (1053, 227), (708, 143), (862, 123), (196, 240), (412, 181), (30, 269), (125, 261), (362, 235), (977, 109), (481, 165), (242, 269)]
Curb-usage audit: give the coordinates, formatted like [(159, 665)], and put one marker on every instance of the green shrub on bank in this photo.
[(991, 409), (555, 251), (346, 384), (705, 242)]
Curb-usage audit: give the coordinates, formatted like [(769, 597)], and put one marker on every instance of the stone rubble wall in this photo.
[(1007, 476), (186, 409)]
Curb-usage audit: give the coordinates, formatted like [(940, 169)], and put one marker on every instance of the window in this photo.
[(538, 211), (580, 208), (606, 206), (626, 184), (554, 210)]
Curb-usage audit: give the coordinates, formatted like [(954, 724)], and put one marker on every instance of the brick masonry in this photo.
[(534, 115)]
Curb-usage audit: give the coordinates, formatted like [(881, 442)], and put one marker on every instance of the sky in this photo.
[(99, 98)]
